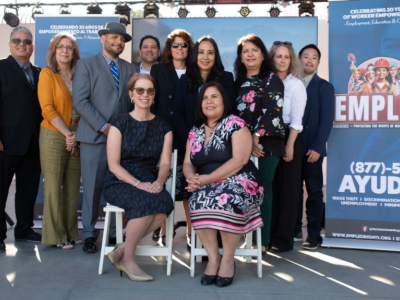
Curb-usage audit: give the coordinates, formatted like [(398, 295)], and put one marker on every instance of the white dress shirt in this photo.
[(143, 70), (294, 102)]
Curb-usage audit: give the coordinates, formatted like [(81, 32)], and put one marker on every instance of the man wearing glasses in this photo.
[(20, 117), (99, 95)]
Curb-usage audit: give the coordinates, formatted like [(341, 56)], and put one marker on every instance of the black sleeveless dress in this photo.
[(142, 144), (230, 204)]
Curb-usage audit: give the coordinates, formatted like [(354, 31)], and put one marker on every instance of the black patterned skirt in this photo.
[(136, 202)]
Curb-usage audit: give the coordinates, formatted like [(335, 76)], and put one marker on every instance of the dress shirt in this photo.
[(294, 103), (28, 66), (143, 70), (180, 73), (109, 61), (306, 80)]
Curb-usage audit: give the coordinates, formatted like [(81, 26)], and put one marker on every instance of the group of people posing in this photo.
[(111, 122)]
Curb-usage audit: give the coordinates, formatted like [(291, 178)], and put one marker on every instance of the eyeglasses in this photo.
[(140, 91), (17, 41), (277, 43), (68, 47), (176, 45)]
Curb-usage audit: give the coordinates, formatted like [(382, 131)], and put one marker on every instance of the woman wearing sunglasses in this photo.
[(59, 158), (175, 57), (136, 142), (287, 180), (259, 102)]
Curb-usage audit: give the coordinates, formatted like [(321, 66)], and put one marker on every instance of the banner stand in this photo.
[(359, 244)]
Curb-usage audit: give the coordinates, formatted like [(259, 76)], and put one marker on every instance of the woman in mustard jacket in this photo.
[(59, 152)]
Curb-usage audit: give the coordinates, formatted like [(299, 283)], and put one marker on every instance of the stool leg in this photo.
[(192, 253), (170, 238), (249, 244), (119, 228), (105, 242), (259, 258)]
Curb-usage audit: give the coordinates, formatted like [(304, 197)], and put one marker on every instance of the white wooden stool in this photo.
[(142, 250)]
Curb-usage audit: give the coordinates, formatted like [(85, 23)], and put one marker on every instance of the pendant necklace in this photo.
[(213, 128)]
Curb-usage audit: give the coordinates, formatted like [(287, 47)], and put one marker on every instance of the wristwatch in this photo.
[(137, 183)]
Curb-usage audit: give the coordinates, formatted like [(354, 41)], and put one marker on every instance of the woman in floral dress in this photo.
[(259, 102), (227, 187)]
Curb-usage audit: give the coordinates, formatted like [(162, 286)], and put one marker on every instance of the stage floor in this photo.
[(34, 271)]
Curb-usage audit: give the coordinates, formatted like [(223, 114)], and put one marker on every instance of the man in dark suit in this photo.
[(100, 93), (20, 117), (317, 123), (149, 51)]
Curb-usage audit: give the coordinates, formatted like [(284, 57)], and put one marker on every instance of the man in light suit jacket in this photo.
[(317, 123), (99, 94), (20, 117)]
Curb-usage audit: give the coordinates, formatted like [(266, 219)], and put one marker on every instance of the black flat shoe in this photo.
[(90, 245), (276, 250), (225, 281), (30, 237), (208, 279), (156, 234), (2, 246)]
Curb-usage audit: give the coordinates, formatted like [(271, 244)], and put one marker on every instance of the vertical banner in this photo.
[(363, 167), (84, 29)]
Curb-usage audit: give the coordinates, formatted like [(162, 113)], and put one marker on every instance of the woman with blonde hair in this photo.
[(59, 152), (135, 143), (287, 180)]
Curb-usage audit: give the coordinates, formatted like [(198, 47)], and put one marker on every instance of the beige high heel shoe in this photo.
[(142, 277), (111, 255)]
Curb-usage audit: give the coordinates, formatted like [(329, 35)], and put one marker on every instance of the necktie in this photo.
[(114, 72), (28, 76)]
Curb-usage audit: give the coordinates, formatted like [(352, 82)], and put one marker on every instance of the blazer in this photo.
[(54, 97), (20, 112), (318, 115), (185, 106), (166, 83), (96, 98)]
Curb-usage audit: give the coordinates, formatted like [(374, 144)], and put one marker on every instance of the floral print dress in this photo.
[(230, 204), (260, 105)]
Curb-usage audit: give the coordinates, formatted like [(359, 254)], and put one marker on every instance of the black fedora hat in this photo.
[(114, 27)]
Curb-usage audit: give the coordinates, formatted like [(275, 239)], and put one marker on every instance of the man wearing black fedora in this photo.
[(99, 95)]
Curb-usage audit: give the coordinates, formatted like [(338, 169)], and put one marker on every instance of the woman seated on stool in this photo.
[(227, 187), (136, 142)]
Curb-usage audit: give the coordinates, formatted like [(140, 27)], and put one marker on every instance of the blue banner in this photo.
[(84, 29), (363, 168)]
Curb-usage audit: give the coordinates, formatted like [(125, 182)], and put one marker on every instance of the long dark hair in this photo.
[(239, 67), (193, 75), (200, 116), (166, 55)]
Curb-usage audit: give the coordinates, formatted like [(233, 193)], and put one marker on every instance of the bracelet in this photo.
[(137, 183)]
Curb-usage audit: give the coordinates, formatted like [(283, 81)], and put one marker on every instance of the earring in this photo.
[(133, 101)]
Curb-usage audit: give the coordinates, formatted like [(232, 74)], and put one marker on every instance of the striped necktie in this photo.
[(28, 76), (114, 72)]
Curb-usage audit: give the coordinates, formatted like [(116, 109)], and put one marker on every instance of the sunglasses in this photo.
[(176, 45), (68, 47), (17, 41), (140, 91), (277, 43)]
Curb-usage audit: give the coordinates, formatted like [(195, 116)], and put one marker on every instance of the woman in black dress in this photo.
[(227, 187), (135, 143), (259, 102), (174, 59)]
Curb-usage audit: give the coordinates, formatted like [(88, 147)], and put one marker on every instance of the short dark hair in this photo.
[(149, 37), (193, 75), (200, 116), (311, 46), (240, 69)]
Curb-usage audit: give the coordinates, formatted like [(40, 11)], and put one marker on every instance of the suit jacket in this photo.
[(20, 112), (185, 106), (318, 115), (167, 81), (96, 98)]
